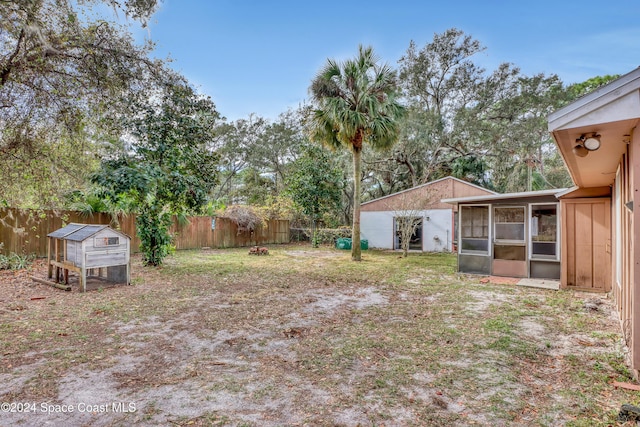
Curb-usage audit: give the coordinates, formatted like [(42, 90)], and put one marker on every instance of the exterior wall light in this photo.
[(586, 144), (592, 143)]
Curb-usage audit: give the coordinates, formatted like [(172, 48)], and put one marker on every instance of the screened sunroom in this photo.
[(513, 235)]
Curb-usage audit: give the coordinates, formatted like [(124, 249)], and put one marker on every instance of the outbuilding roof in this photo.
[(428, 184)]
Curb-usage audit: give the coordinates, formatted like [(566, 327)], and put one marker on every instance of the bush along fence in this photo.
[(24, 231), (325, 236)]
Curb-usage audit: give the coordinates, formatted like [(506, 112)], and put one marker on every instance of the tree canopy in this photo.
[(168, 168), (460, 115), (77, 96), (65, 79), (315, 184)]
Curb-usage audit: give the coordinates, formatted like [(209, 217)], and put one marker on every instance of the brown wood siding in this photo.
[(432, 193), (628, 254), (25, 231), (586, 231), (623, 290), (633, 195), (462, 189)]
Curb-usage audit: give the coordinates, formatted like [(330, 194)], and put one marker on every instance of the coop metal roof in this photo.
[(77, 232)]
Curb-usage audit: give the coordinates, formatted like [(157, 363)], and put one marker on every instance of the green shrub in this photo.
[(14, 261), (153, 225), (329, 235)]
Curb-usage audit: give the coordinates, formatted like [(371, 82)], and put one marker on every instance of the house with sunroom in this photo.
[(585, 236), (599, 140)]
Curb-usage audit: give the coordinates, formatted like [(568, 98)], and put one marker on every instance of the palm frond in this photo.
[(357, 102), (323, 130)]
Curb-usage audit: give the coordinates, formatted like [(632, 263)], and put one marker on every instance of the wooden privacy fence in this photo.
[(24, 231)]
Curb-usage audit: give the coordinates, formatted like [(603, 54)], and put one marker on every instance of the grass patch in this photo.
[(306, 336)]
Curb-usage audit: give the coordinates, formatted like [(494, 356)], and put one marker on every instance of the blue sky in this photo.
[(260, 56)]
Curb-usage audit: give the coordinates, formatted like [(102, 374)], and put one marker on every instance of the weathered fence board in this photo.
[(25, 231)]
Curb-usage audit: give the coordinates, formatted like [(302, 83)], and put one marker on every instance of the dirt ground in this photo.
[(302, 337)]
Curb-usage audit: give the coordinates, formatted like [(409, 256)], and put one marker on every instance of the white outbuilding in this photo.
[(436, 232)]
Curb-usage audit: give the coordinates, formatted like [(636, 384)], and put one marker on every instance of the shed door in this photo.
[(403, 225), (586, 244)]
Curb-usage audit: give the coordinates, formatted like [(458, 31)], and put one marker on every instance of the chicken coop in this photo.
[(93, 251)]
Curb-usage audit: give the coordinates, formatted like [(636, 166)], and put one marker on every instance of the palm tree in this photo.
[(357, 104)]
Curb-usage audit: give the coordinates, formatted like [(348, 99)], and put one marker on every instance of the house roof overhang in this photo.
[(611, 111)]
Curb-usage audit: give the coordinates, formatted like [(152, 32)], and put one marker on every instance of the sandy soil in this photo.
[(260, 353)]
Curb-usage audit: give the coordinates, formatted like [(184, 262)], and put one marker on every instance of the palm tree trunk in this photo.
[(314, 234), (356, 253)]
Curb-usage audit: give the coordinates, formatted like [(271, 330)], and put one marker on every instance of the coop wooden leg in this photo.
[(50, 266), (56, 256)]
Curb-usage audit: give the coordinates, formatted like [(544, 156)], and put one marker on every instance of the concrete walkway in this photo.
[(540, 283)]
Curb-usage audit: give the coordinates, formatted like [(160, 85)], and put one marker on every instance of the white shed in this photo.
[(437, 230), (91, 250)]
